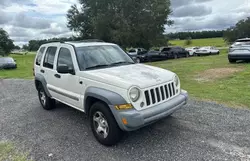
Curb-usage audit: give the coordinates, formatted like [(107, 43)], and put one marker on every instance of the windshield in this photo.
[(90, 57)]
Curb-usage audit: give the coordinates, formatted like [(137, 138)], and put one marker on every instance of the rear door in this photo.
[(48, 67)]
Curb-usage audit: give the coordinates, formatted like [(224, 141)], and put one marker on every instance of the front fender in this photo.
[(107, 96)]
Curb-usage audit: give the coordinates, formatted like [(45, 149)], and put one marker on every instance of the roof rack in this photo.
[(91, 40)]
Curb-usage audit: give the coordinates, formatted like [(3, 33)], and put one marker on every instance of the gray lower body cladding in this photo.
[(137, 119), (239, 56)]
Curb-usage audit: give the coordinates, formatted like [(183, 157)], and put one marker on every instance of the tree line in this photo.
[(195, 35), (240, 30)]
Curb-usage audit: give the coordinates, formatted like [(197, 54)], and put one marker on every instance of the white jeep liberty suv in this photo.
[(101, 80)]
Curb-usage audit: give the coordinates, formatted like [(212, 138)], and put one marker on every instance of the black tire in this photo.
[(113, 133), (218, 53), (46, 102), (232, 60)]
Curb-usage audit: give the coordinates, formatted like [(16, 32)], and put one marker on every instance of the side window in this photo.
[(39, 55), (49, 57), (64, 57)]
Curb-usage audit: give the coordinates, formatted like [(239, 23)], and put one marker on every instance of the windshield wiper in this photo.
[(122, 62), (98, 66)]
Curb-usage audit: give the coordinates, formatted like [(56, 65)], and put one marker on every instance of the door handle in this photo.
[(57, 76), (42, 71)]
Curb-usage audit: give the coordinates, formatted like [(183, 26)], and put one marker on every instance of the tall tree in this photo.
[(126, 22), (6, 44), (240, 30)]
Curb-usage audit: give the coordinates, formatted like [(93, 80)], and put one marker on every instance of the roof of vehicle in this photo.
[(244, 39), (80, 43), (6, 59)]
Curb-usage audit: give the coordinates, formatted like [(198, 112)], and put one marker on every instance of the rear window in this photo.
[(49, 57), (39, 55), (132, 50)]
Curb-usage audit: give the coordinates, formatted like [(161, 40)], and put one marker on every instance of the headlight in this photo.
[(134, 94), (176, 80)]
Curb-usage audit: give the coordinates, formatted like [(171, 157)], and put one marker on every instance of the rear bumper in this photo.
[(137, 119), (239, 56)]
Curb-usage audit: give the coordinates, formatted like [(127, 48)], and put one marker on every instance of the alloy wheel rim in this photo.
[(42, 97), (100, 124)]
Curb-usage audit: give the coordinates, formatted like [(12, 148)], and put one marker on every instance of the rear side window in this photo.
[(49, 57), (39, 56), (64, 57)]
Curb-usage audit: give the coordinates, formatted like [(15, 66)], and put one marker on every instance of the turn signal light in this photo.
[(124, 107)]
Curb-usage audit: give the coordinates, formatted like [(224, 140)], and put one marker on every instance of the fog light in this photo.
[(142, 104)]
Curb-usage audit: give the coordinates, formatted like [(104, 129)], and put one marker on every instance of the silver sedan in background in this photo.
[(7, 63)]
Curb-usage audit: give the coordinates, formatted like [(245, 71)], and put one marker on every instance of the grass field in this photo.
[(9, 153), (221, 85), (231, 89), (24, 67), (218, 42)]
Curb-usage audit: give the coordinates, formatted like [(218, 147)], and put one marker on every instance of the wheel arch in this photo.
[(94, 94), (40, 80)]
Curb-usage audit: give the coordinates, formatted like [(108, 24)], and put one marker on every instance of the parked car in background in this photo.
[(192, 50), (207, 50), (135, 53), (7, 63), (239, 50), (175, 52)]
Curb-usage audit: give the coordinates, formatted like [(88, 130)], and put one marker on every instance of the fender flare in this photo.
[(40, 78), (109, 97)]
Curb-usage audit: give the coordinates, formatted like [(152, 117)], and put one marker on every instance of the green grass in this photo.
[(218, 42), (232, 90), (24, 67), (9, 153)]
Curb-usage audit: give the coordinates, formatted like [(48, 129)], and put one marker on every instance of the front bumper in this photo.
[(239, 56), (137, 119)]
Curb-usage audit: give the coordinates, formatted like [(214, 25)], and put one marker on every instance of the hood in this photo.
[(126, 76)]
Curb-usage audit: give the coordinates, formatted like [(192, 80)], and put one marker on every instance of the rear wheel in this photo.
[(104, 125), (46, 102)]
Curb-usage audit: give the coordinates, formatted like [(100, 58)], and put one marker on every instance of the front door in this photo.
[(66, 87)]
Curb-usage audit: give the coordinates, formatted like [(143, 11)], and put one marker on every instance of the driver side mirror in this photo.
[(64, 69)]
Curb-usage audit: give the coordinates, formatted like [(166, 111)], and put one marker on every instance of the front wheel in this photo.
[(232, 60), (104, 125)]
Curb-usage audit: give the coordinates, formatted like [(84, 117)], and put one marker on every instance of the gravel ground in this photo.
[(200, 131)]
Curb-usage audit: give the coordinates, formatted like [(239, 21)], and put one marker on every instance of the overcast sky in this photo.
[(39, 19)]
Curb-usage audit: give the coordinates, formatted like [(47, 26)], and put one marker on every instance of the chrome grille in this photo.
[(159, 94)]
